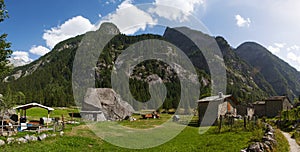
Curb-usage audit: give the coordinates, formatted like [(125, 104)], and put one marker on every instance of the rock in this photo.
[(61, 133), (10, 140), (267, 138), (271, 134), (102, 104), (42, 137), (33, 138), (21, 140), (30, 138), (2, 142), (27, 137), (255, 147), (267, 147), (5, 133)]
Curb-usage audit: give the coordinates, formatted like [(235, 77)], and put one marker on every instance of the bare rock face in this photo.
[(102, 104)]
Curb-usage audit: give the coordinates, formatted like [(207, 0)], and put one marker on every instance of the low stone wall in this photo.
[(267, 144), (27, 138)]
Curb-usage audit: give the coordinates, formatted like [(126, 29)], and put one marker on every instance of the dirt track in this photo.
[(294, 147)]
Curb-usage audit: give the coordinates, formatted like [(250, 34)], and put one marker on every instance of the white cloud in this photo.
[(39, 50), (293, 57), (20, 58), (280, 45), (273, 49), (129, 19), (184, 8), (72, 27), (294, 47), (110, 2), (276, 48), (242, 22)]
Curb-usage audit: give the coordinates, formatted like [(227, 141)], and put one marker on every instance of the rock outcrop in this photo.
[(102, 104)]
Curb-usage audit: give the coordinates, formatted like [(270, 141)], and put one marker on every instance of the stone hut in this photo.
[(276, 104), (259, 108), (272, 106), (226, 105), (245, 110)]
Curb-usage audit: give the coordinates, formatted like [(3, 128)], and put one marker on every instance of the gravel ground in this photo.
[(294, 147)]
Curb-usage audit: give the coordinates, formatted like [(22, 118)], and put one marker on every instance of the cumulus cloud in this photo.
[(276, 48), (129, 20), (19, 58), (294, 47), (184, 8), (39, 50), (242, 22), (293, 57), (280, 45), (273, 49), (111, 2), (72, 27)]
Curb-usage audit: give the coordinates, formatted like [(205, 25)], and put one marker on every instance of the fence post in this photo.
[(245, 122), (231, 120), (63, 121), (220, 124)]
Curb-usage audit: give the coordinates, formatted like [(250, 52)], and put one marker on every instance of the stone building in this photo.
[(221, 105), (259, 108), (272, 106), (245, 110)]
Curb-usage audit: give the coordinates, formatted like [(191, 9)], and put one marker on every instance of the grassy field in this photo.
[(81, 138), (37, 113)]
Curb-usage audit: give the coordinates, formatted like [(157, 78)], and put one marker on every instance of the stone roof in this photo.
[(276, 98), (214, 98), (259, 103)]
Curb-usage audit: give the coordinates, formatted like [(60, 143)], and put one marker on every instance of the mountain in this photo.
[(241, 82), (284, 79), (48, 79)]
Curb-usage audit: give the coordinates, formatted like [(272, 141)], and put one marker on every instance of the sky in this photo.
[(35, 26)]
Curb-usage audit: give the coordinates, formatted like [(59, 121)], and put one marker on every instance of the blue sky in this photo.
[(34, 27)]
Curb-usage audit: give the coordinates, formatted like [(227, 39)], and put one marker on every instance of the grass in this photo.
[(297, 138), (80, 138), (282, 143), (143, 124), (36, 113)]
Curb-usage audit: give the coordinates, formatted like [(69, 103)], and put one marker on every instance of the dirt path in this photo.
[(294, 147)]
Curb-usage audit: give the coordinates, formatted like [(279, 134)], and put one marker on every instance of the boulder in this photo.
[(102, 104), (33, 138), (61, 133), (267, 138), (255, 147), (30, 138), (21, 140), (10, 140), (2, 142), (42, 137), (27, 137)]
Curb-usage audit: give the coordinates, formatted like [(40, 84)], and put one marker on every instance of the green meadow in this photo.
[(80, 138)]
